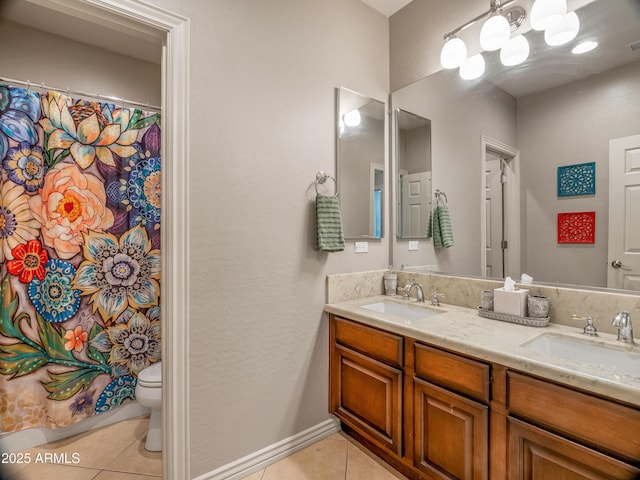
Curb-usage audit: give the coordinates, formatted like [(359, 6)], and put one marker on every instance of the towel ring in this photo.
[(321, 178), (438, 194)]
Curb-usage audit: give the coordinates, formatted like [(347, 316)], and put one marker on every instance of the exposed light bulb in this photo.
[(515, 51), (453, 53), (563, 32), (584, 47), (352, 118), (545, 13), (495, 33), (472, 68)]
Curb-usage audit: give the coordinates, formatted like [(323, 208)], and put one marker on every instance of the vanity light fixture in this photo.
[(454, 53), (563, 32), (546, 13), (551, 16), (584, 47), (495, 32)]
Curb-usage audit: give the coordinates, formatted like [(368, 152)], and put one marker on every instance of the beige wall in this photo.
[(262, 123), (564, 126), (262, 113), (66, 63)]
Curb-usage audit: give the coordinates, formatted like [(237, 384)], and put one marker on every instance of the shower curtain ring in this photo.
[(28, 85)]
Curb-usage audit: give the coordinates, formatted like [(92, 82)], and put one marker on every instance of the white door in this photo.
[(494, 216), (416, 203), (624, 213)]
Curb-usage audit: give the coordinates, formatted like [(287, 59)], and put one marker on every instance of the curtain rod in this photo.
[(67, 91)]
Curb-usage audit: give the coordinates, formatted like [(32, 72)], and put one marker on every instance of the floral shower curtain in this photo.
[(79, 255)]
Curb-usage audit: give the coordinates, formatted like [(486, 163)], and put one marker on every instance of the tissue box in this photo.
[(510, 302)]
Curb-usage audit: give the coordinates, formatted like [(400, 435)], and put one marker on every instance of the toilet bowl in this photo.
[(149, 394)]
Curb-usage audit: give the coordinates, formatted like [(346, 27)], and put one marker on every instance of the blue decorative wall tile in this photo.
[(577, 179)]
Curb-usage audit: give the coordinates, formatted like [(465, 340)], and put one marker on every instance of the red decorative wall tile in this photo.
[(577, 227)]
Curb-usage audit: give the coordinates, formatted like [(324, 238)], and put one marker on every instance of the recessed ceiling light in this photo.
[(584, 47)]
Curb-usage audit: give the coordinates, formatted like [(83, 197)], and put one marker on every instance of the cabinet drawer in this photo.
[(605, 425), (384, 346), (461, 374)]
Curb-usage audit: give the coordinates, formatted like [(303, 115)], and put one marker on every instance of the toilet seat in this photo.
[(151, 377)]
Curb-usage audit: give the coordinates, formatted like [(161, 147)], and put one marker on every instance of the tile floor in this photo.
[(115, 452), (337, 457)]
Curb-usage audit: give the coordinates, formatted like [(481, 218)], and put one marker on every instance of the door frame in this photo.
[(373, 168), (616, 248), (511, 194), (172, 32)]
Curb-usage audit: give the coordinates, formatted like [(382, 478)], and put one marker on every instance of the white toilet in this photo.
[(149, 394)]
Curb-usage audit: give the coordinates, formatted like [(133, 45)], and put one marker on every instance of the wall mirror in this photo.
[(412, 144), (360, 164), (560, 112)]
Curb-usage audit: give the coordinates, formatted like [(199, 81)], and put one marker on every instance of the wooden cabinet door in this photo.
[(451, 434), (367, 395), (535, 454)]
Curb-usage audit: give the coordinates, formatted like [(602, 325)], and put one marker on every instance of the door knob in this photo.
[(618, 264)]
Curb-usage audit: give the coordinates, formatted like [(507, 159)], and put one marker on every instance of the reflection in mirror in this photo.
[(558, 110), (413, 173), (360, 158)]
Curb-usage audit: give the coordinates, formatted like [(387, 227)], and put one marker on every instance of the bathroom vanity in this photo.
[(456, 396)]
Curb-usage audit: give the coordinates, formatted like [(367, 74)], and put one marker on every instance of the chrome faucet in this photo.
[(419, 291), (622, 321)]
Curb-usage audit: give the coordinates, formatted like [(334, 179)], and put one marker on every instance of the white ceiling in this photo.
[(387, 7)]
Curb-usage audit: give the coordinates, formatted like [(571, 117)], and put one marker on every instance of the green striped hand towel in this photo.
[(329, 236), (439, 227)]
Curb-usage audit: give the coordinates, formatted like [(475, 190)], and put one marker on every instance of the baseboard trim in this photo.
[(263, 458)]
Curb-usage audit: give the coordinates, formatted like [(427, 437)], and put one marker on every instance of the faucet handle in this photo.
[(435, 298), (589, 328)]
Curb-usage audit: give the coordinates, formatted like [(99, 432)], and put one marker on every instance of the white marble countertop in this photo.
[(462, 330)]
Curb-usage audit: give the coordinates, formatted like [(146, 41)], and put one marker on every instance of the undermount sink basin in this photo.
[(624, 360), (410, 312)]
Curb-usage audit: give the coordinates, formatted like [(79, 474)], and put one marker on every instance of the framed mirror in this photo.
[(557, 116), (412, 153), (361, 123)]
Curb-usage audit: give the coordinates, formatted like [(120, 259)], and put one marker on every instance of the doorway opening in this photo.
[(499, 212), (141, 20)]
